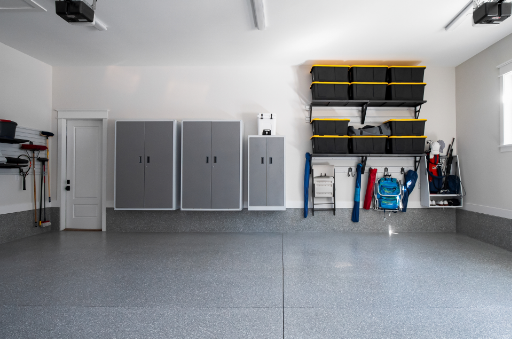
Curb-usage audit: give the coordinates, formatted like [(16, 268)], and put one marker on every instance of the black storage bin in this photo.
[(404, 127), (368, 90), (406, 73), (7, 129), (406, 144), (368, 144), (330, 126), (330, 90), (330, 73), (406, 91), (361, 73), (330, 144)]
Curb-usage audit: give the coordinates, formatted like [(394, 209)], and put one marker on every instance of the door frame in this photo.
[(63, 116)]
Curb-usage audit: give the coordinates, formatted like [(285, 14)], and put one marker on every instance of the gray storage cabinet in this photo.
[(266, 177), (145, 165), (211, 165)]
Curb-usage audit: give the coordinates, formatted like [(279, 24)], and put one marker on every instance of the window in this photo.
[(506, 106)]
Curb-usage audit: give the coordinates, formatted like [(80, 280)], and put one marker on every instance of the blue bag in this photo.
[(453, 184), (389, 194)]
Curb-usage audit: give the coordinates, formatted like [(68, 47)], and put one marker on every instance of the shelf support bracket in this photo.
[(363, 162), (417, 111), (310, 113), (363, 113)]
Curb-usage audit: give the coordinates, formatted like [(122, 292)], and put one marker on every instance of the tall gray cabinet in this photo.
[(211, 165), (145, 165), (266, 176)]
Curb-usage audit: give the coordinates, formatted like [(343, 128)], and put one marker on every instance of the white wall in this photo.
[(233, 93), (26, 98), (485, 170)]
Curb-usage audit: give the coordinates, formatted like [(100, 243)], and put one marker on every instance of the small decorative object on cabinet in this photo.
[(267, 175), (211, 165), (146, 165)]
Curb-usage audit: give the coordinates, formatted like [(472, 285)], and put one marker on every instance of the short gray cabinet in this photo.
[(145, 165), (211, 165), (266, 176)]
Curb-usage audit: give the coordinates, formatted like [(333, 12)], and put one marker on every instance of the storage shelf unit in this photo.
[(12, 141), (364, 104), (426, 197), (266, 173), (145, 166), (211, 165)]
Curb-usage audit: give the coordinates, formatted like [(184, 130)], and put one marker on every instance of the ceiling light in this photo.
[(21, 5), (465, 12), (258, 10)]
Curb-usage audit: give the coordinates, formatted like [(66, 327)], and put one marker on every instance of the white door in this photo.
[(84, 157)]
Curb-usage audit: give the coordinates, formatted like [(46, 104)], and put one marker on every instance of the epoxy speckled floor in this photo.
[(254, 285)]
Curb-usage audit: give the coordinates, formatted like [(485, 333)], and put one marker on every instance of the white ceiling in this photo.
[(221, 32)]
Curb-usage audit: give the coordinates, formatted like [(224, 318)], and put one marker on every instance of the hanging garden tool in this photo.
[(34, 148), (48, 135), (42, 202), (357, 195), (307, 173), (22, 173)]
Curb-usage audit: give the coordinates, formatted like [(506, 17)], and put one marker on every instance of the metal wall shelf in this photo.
[(12, 141), (12, 166), (364, 157), (364, 104)]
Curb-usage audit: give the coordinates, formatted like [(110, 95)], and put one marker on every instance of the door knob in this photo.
[(68, 188)]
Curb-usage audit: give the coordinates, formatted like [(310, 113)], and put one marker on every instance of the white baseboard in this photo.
[(497, 212)]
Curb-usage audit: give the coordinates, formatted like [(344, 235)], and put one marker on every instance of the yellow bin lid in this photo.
[(329, 83), (406, 83), (407, 66), (369, 83), (347, 66), (368, 136), (370, 66), (329, 136), (404, 120), (329, 120), (408, 137)]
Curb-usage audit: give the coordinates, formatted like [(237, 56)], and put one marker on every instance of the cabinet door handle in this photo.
[(214, 160), (148, 160), (270, 160), (140, 160), (207, 160), (262, 160)]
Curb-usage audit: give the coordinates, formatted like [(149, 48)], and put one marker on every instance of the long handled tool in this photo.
[(34, 148), (42, 202), (48, 135)]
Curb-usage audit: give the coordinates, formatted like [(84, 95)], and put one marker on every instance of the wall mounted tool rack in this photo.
[(364, 158), (364, 104), (12, 142)]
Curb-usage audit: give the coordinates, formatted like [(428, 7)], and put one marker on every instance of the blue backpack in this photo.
[(388, 193)]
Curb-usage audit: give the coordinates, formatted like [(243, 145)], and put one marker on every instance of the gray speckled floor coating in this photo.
[(291, 220), (254, 285)]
